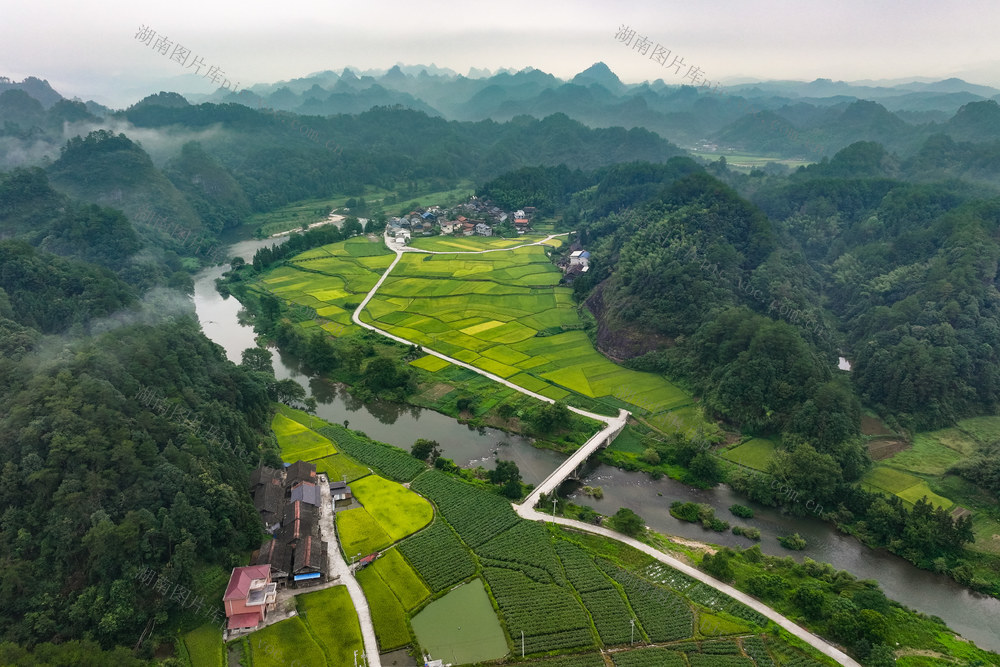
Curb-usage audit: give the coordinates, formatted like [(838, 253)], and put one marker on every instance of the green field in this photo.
[(461, 627), (387, 612), (401, 579), (908, 487), (279, 644), (488, 309), (331, 280), (748, 161), (204, 645), (928, 455), (396, 509), (502, 312), (983, 429), (430, 363), (330, 616), (339, 466), (298, 442), (470, 243), (294, 215), (359, 533), (755, 453)]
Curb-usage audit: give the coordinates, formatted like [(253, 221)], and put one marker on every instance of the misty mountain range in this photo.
[(782, 118)]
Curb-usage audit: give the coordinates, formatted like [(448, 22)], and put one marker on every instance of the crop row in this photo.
[(703, 660), (526, 543), (703, 594), (601, 598), (476, 514), (580, 568), (537, 574), (668, 576), (389, 461), (438, 556), (707, 596), (587, 660), (664, 615), (649, 657), (754, 647), (611, 616), (549, 615), (720, 648)]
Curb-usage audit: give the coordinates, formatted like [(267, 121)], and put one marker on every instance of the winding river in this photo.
[(975, 617)]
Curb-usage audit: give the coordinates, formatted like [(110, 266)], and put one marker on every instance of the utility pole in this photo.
[(522, 643), (554, 501), (632, 621)]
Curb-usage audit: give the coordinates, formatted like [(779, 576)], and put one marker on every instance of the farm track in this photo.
[(526, 509)]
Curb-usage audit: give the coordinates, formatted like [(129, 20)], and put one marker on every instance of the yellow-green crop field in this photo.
[(331, 279), (908, 487), (332, 621), (401, 579), (299, 442), (488, 310), (394, 507), (277, 645), (503, 312), (204, 646)]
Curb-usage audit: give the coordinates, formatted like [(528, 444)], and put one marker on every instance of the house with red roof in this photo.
[(249, 596)]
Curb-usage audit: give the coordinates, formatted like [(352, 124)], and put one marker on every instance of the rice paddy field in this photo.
[(401, 579), (359, 533), (204, 646), (331, 619), (922, 469), (279, 644), (502, 311), (396, 509), (908, 487), (755, 453), (330, 280), (505, 313), (388, 615), (390, 512), (475, 243), (298, 441)]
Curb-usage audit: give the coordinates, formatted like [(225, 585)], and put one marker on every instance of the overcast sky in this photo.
[(89, 49)]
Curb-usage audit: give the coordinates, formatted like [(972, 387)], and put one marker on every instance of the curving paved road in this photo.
[(526, 509), (526, 512), (356, 318)]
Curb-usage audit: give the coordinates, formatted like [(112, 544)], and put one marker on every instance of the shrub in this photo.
[(741, 511)]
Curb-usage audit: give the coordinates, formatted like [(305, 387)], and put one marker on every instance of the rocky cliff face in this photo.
[(617, 340)]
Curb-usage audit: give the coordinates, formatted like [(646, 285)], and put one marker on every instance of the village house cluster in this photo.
[(290, 504), (479, 217)]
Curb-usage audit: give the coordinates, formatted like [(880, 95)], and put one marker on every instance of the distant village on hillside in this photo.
[(477, 217)]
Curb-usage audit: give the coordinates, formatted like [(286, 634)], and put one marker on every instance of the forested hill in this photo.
[(279, 157), (121, 451), (751, 301)]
